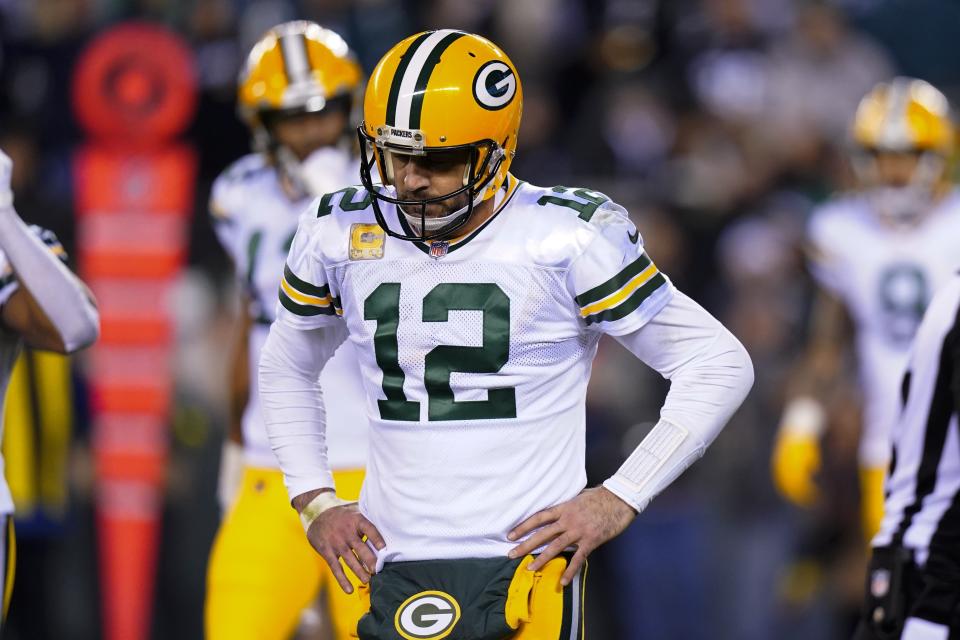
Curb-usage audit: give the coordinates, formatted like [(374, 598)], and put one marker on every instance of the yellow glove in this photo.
[(871, 499), (796, 454)]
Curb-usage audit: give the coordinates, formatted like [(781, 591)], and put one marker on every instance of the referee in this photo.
[(913, 582)]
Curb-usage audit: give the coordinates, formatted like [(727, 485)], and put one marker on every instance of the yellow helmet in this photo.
[(296, 67), (442, 90), (911, 117), (904, 115)]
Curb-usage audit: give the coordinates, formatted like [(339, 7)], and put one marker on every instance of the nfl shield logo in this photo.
[(438, 248), (880, 583)]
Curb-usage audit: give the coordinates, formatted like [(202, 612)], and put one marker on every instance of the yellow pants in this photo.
[(540, 609), (262, 571)]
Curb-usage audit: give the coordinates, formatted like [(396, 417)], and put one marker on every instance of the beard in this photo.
[(435, 209)]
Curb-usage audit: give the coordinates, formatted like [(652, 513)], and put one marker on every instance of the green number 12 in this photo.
[(383, 305)]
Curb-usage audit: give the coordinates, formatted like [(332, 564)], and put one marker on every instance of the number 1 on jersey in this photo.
[(383, 305)]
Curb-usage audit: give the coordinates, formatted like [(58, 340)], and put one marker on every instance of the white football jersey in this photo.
[(885, 277), (255, 221), (475, 353), (11, 345)]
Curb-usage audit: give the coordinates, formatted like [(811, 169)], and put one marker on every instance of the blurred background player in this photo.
[(296, 94), (877, 256), (44, 306)]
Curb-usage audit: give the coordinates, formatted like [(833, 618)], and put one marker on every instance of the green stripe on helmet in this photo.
[(416, 106), (398, 78)]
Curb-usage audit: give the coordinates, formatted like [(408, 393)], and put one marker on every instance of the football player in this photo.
[(43, 305), (296, 94), (475, 303), (877, 256)]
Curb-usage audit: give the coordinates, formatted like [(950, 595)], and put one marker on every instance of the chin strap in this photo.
[(434, 225)]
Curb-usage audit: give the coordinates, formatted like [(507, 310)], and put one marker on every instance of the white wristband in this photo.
[(804, 416), (323, 501), (662, 456)]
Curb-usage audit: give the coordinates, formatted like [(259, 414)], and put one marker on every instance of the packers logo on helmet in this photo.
[(495, 85), (440, 92), (296, 67)]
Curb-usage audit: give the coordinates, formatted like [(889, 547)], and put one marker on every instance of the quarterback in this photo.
[(43, 305), (296, 93), (877, 255), (475, 303)]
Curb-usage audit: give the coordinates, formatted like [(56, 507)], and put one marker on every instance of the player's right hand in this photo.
[(338, 533), (796, 460)]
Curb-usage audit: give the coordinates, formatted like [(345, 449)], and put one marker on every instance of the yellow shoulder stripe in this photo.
[(624, 292), (302, 298)]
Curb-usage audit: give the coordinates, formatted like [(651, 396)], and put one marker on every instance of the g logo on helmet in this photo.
[(428, 615), (494, 85)]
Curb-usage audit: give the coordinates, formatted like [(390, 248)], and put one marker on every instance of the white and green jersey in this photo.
[(885, 277), (475, 353), (11, 344), (255, 221)]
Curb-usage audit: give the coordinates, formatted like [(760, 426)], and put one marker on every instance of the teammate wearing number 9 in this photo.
[(877, 255), (475, 302), (296, 93)]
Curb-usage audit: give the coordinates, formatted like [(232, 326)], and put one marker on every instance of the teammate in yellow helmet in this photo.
[(296, 93), (475, 302), (877, 255)]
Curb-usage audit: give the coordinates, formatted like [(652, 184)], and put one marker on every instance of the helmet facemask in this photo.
[(303, 172), (483, 161), (902, 204)]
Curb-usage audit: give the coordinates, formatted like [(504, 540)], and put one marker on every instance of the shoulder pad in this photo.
[(592, 209), (228, 192), (351, 199), (582, 202)]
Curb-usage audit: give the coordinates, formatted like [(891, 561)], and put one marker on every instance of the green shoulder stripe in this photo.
[(615, 283), (302, 285), (631, 304), (304, 309)]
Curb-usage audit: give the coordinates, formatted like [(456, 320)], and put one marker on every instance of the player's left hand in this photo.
[(585, 522)]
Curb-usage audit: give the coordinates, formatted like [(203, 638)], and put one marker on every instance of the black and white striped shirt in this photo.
[(922, 510)]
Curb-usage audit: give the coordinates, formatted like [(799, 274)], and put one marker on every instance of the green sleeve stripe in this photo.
[(615, 283), (303, 286), (305, 310), (631, 304)]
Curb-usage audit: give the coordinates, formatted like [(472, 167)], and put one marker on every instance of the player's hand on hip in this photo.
[(338, 533), (585, 522)]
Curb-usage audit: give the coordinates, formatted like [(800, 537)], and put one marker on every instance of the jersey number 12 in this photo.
[(383, 305)]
